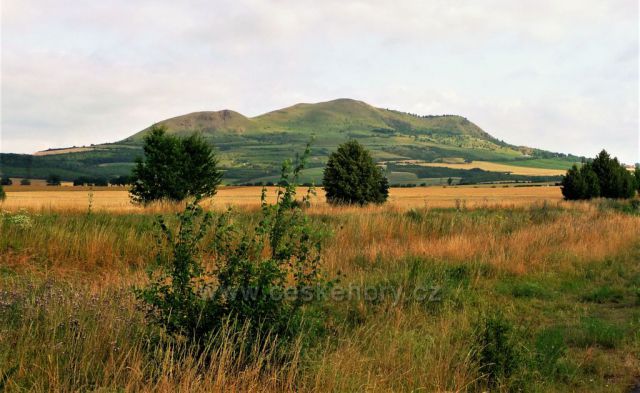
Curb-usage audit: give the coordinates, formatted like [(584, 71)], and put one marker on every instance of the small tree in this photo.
[(637, 176), (615, 180), (174, 168), (6, 181), (352, 177), (53, 180), (3, 196), (25, 182)]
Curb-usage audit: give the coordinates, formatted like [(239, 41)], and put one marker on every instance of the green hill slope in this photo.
[(251, 149)]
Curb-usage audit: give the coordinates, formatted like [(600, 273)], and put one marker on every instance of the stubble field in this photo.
[(116, 199)]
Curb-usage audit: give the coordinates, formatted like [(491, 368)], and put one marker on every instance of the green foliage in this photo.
[(6, 181), (174, 168), (97, 181), (263, 276), (580, 183), (3, 195), (351, 177), (494, 349), (637, 176), (120, 180), (25, 182), (54, 180), (603, 177), (615, 180)]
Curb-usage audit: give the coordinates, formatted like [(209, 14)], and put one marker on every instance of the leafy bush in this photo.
[(494, 349), (25, 182), (351, 177), (174, 168), (6, 181), (20, 219), (262, 276), (3, 196)]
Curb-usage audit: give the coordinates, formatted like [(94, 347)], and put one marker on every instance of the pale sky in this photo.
[(561, 75)]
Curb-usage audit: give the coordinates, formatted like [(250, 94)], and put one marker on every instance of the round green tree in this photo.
[(174, 168), (351, 177)]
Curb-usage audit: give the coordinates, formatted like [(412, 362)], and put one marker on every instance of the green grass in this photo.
[(543, 163)]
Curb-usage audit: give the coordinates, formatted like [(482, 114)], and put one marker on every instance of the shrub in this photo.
[(91, 181), (174, 168), (261, 277), (494, 350), (6, 181), (53, 180), (25, 182), (351, 177), (3, 196), (21, 220), (120, 180)]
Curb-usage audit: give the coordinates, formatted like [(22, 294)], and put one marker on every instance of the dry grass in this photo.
[(75, 324), (117, 200)]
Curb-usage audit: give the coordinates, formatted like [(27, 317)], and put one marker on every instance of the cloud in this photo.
[(557, 75)]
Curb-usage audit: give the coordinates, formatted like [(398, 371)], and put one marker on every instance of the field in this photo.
[(115, 199), (498, 167), (562, 277)]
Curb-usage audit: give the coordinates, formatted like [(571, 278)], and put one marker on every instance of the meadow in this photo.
[(557, 282)]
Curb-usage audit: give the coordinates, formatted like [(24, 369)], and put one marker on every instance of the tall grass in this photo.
[(69, 321)]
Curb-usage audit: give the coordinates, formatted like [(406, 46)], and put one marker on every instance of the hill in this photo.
[(251, 149)]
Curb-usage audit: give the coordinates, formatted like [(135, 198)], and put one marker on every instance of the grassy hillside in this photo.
[(251, 149)]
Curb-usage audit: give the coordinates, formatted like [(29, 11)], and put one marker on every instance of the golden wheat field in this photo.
[(495, 167), (114, 199)]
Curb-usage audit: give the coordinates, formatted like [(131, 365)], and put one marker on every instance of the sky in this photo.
[(557, 75)]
